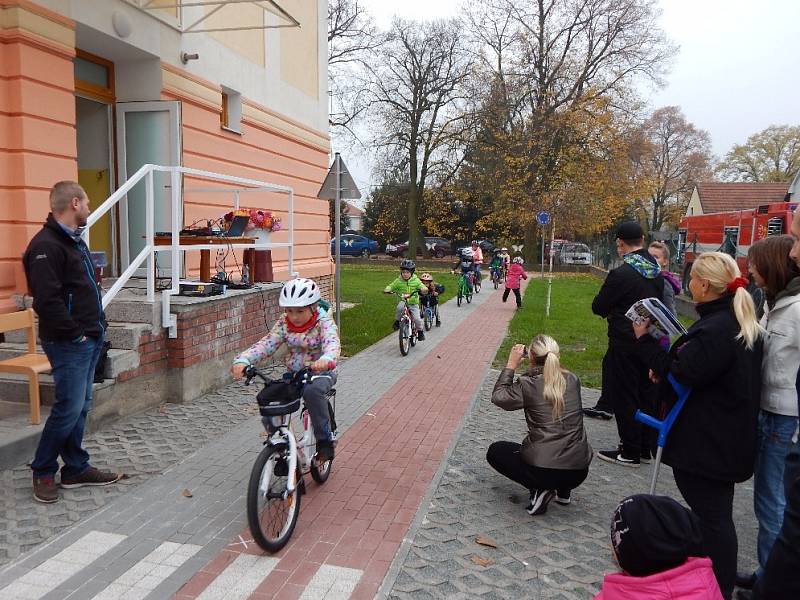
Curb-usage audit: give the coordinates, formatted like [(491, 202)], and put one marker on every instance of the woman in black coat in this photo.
[(712, 444)]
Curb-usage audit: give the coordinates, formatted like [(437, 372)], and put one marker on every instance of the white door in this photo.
[(147, 133)]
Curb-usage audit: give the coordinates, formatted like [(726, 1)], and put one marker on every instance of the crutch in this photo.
[(664, 426)]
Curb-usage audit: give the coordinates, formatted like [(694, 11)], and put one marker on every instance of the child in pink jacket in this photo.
[(656, 542), (515, 273)]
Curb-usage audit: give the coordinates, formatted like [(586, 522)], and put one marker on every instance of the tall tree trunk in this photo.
[(413, 222)]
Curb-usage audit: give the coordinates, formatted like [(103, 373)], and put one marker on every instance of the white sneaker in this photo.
[(562, 501), (539, 501)]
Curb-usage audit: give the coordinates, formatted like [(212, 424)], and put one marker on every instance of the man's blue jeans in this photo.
[(73, 366), (775, 433)]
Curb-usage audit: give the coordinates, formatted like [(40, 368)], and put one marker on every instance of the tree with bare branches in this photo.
[(671, 155), (352, 38), (417, 90)]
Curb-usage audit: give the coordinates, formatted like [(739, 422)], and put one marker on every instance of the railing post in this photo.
[(150, 226)]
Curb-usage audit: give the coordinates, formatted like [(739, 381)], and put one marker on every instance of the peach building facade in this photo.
[(91, 90)]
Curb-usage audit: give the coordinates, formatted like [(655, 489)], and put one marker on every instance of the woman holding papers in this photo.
[(712, 445)]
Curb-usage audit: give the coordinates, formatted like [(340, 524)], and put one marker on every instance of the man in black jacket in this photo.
[(628, 385), (72, 325)]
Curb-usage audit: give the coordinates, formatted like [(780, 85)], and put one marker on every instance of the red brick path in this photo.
[(384, 465)]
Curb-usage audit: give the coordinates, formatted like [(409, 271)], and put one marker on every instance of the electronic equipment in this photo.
[(237, 226), (200, 289)]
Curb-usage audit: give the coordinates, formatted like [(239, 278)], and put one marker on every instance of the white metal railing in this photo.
[(175, 248)]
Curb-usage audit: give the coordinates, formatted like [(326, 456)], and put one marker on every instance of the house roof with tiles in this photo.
[(723, 197)]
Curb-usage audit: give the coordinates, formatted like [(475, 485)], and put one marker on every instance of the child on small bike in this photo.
[(431, 298), (313, 341), (477, 259), (506, 257), (496, 265), (410, 287), (515, 272), (464, 262)]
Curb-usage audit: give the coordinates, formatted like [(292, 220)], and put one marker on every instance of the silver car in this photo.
[(575, 254)]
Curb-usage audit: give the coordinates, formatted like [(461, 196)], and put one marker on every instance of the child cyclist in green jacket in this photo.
[(406, 285)]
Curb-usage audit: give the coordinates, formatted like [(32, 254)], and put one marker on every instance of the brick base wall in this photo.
[(212, 330)]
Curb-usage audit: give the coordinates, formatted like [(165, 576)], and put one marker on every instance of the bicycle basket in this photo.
[(278, 398)]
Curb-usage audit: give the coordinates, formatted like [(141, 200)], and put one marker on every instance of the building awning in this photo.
[(196, 23)]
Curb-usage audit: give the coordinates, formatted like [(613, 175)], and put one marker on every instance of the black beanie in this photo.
[(630, 231), (651, 534)]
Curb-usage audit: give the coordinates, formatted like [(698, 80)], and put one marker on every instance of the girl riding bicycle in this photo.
[(431, 298), (313, 341), (464, 263), (410, 287)]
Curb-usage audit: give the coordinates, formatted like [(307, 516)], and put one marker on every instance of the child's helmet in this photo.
[(505, 249), (426, 277), (408, 265), (298, 293), (466, 253), (474, 243), (517, 259)]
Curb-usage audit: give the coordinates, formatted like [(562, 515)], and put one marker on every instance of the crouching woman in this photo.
[(554, 457)]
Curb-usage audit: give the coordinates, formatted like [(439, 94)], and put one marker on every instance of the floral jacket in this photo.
[(321, 341)]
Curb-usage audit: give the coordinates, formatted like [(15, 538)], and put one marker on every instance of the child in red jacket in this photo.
[(656, 542), (515, 273)]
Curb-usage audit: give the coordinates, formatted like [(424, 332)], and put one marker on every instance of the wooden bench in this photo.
[(30, 364)]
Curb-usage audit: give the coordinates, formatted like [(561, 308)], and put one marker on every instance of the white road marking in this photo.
[(332, 583), (56, 570), (240, 578), (148, 573)]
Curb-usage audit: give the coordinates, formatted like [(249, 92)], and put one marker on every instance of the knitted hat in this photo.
[(651, 534), (630, 230)]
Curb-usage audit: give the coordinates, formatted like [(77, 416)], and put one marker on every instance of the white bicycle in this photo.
[(276, 481)]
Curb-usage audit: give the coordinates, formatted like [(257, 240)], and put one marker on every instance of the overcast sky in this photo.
[(735, 74)]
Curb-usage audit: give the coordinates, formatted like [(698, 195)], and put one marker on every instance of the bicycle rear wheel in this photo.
[(405, 336), (496, 280), (272, 514), (469, 296), (436, 315), (460, 294)]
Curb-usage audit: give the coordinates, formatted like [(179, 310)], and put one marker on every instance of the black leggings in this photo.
[(505, 458), (712, 502), (516, 295)]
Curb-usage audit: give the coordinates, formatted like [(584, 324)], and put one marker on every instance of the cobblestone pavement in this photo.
[(206, 447), (561, 554)]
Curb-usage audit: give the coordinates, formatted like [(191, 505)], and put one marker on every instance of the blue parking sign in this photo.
[(543, 217)]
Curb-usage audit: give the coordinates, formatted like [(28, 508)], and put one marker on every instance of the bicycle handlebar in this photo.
[(301, 377)]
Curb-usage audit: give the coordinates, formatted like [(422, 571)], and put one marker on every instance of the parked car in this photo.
[(557, 244), (355, 245), (575, 254), (437, 246)]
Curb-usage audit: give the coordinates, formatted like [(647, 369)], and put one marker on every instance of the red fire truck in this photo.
[(731, 232)]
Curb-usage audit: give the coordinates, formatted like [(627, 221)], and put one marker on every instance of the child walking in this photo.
[(659, 546), (515, 273)]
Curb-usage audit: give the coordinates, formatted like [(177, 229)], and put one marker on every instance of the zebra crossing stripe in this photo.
[(146, 575), (240, 578), (331, 583), (45, 578)]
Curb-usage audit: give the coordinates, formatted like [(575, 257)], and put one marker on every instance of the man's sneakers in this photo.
[(396, 325), (539, 501), (44, 489), (421, 335), (615, 456), (596, 412), (90, 476), (325, 450), (646, 457)]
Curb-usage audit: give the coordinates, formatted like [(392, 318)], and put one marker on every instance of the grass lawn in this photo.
[(371, 318), (580, 334)]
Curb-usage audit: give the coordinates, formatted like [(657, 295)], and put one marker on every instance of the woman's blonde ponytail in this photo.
[(719, 269), (554, 382)]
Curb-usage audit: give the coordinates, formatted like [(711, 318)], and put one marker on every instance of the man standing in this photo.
[(66, 298), (627, 383)]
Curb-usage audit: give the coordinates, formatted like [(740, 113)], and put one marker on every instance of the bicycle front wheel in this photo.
[(405, 336), (271, 511), (496, 281), (460, 295)]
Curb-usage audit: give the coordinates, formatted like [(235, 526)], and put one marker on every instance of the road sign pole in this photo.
[(338, 226), (550, 277), (542, 228)]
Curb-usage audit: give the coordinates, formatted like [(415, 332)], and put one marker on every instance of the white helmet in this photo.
[(300, 292), (504, 249), (517, 259), (466, 252)]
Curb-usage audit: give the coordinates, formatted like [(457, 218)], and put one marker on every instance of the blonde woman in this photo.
[(554, 457), (712, 445)]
